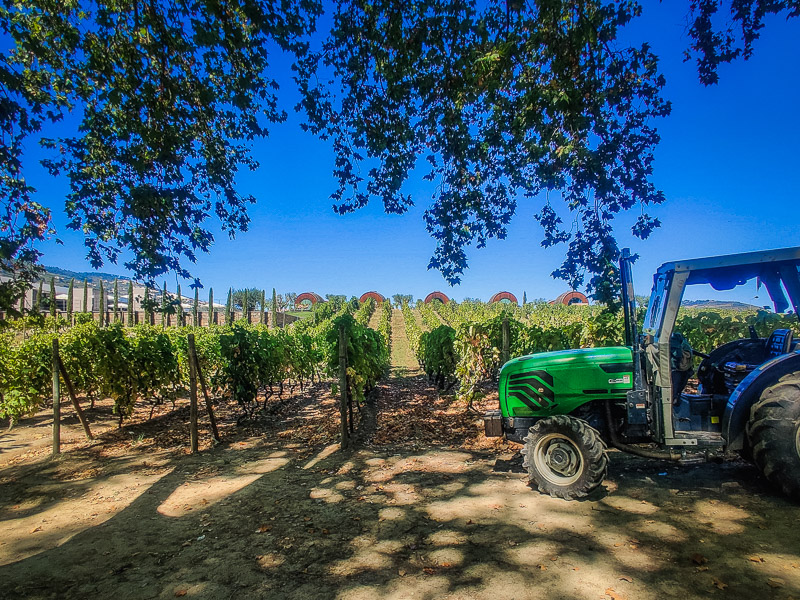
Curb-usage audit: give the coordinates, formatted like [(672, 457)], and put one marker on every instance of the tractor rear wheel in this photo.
[(774, 434), (565, 457)]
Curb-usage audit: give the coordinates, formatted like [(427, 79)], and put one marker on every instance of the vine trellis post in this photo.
[(343, 386)]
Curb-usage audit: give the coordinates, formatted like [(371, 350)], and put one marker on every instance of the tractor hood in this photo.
[(555, 383)]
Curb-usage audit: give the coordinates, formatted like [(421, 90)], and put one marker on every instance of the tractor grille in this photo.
[(532, 388)]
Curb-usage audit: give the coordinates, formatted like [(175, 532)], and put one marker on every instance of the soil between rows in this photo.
[(424, 507)]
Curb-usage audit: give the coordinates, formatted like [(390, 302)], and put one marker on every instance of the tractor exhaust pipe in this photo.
[(657, 454)]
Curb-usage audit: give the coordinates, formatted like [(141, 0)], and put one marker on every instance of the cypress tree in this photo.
[(524, 298), (262, 306), (116, 300), (195, 308), (148, 308), (164, 306), (69, 299), (85, 295), (130, 304), (274, 308), (102, 304), (179, 321), (210, 306), (245, 307), (229, 308), (53, 297)]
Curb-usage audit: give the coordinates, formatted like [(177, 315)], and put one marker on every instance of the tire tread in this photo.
[(772, 432), (595, 450)]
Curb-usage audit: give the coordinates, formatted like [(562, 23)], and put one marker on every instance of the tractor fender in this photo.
[(737, 411)]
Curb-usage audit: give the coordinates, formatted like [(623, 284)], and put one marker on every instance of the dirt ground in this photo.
[(423, 507)]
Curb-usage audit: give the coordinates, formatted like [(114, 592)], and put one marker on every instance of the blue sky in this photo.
[(727, 164)]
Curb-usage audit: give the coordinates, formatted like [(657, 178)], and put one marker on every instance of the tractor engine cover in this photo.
[(557, 383)]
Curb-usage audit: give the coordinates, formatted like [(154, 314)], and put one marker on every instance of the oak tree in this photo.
[(496, 99)]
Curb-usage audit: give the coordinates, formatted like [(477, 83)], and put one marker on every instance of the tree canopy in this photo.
[(506, 99), (496, 100), (167, 98)]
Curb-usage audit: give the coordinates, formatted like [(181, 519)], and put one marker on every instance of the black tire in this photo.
[(774, 434), (565, 457)]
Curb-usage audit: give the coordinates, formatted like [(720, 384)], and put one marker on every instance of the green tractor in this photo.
[(566, 407)]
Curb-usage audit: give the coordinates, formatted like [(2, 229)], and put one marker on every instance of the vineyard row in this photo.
[(245, 364)]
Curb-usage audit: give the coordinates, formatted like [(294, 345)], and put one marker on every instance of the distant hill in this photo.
[(719, 305), (64, 275)]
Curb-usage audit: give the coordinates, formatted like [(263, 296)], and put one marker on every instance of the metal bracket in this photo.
[(636, 406), (680, 442)]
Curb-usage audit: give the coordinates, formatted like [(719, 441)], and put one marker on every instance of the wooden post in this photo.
[(204, 388), (193, 396), (350, 411), (56, 402), (343, 385), (506, 340), (74, 398)]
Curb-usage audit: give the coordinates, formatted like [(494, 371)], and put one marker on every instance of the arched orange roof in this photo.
[(500, 296), (572, 297), (375, 295), (310, 296), (436, 296)]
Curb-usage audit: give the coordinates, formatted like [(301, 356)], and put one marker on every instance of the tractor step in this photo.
[(699, 438)]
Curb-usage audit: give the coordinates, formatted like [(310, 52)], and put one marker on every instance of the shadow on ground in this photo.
[(423, 508), (266, 520)]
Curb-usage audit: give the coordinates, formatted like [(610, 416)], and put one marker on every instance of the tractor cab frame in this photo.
[(768, 359)]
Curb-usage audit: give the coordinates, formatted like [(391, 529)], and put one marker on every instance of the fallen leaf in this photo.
[(542, 568), (264, 529), (613, 594), (699, 559), (718, 584), (180, 593), (37, 529), (701, 569), (775, 582), (626, 578), (755, 559)]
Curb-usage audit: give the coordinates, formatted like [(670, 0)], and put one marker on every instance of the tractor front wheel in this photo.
[(565, 457), (774, 434)]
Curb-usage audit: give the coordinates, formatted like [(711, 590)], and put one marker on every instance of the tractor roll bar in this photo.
[(628, 300)]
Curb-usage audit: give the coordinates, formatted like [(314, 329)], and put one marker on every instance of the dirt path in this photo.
[(427, 508), (402, 359), (375, 318)]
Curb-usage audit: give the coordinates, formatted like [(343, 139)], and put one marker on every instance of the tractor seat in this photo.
[(779, 343)]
